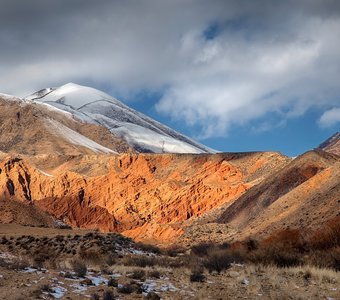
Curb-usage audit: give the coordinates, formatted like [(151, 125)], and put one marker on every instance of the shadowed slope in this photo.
[(304, 193)]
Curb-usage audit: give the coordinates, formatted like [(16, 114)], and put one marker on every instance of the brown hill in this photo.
[(332, 144), (145, 196), (32, 129), (24, 214), (304, 193)]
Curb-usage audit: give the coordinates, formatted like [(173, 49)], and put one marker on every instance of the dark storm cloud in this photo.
[(247, 58)]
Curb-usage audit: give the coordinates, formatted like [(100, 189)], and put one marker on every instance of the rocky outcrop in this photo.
[(145, 196)]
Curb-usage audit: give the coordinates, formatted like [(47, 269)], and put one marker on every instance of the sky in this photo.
[(234, 75)]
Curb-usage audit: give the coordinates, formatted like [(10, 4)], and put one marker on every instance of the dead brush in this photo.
[(148, 248), (218, 260), (139, 261), (197, 276), (79, 267), (202, 249), (137, 274)]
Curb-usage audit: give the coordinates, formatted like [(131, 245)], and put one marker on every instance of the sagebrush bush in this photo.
[(152, 296), (154, 274), (218, 261), (138, 274), (149, 248), (79, 267), (139, 261), (112, 282), (108, 295), (174, 251), (125, 289), (202, 249), (197, 276)]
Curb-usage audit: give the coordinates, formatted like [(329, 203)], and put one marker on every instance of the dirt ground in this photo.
[(239, 282), (18, 230)]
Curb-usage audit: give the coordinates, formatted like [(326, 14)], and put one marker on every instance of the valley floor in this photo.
[(239, 282)]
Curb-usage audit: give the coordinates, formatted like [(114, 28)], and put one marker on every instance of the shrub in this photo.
[(152, 296), (197, 276), (174, 251), (79, 268), (125, 289), (282, 258), (251, 244), (324, 259), (137, 274), (112, 282), (95, 296), (202, 249), (108, 295), (218, 261), (139, 261), (148, 248), (154, 274)]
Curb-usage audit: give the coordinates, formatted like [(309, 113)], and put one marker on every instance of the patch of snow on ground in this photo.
[(58, 292), (149, 286), (97, 280), (168, 287), (29, 270), (152, 286), (79, 288)]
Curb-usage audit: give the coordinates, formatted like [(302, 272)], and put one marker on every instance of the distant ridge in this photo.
[(332, 144)]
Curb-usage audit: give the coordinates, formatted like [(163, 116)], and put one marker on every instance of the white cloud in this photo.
[(264, 58), (330, 117)]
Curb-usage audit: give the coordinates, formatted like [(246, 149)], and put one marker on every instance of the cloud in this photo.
[(218, 64), (330, 117)]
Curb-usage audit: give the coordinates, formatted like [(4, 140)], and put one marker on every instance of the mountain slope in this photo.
[(332, 144), (34, 128), (139, 131), (304, 193)]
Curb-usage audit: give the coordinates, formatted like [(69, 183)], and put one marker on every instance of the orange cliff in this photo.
[(144, 196)]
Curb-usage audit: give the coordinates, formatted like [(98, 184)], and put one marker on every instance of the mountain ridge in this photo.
[(141, 132), (332, 144)]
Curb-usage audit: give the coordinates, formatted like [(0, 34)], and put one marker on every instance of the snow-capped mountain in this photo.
[(96, 107)]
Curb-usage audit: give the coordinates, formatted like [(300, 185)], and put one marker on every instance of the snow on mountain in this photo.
[(74, 137), (139, 131)]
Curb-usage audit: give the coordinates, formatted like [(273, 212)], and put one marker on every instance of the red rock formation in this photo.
[(143, 196)]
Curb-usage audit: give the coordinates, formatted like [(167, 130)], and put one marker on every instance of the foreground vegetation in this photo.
[(267, 268)]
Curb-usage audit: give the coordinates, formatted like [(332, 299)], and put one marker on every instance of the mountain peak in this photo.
[(140, 132), (70, 94)]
